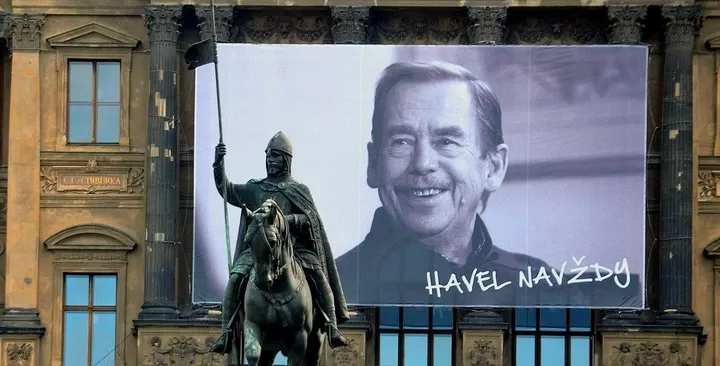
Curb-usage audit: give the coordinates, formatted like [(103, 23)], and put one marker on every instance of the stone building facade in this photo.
[(92, 204)]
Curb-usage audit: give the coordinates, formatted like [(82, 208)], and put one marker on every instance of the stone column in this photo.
[(626, 23), (486, 24), (676, 166), (23, 205), (223, 22), (626, 27), (162, 194), (350, 24)]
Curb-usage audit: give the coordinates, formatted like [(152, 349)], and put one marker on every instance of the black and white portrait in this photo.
[(475, 176)]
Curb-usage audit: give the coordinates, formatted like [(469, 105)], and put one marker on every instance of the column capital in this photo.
[(626, 23), (349, 24), (224, 16), (163, 22), (26, 31), (486, 24), (682, 22)]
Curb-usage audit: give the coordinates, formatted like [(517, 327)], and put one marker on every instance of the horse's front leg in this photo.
[(298, 347), (253, 340)]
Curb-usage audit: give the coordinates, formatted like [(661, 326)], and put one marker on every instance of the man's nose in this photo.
[(424, 158)]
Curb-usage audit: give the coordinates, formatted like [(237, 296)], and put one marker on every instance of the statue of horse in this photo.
[(277, 305)]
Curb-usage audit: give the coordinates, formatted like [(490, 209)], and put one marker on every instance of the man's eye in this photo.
[(446, 142), (399, 142)]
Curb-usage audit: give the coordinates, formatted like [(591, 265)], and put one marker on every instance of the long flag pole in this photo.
[(196, 56)]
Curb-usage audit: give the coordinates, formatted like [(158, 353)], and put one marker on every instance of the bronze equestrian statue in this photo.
[(278, 310), (311, 246)]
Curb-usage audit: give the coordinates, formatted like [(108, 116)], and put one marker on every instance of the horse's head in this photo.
[(269, 240)]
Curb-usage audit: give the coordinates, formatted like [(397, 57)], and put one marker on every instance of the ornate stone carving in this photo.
[(3, 207), (651, 354), (85, 256), (708, 187), (19, 354), (484, 353), (181, 351), (162, 22), (486, 24), (556, 30), (91, 179), (223, 22), (683, 22), (25, 31), (626, 23), (349, 24), (281, 28), (419, 28), (347, 356)]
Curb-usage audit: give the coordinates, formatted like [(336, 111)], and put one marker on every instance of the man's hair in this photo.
[(487, 106)]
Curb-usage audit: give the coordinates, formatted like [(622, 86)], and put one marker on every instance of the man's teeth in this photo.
[(424, 192)]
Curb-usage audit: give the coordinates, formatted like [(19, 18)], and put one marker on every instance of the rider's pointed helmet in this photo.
[(280, 142)]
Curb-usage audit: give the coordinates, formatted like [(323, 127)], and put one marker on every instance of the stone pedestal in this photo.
[(178, 342), (483, 336), (649, 348), (20, 350), (356, 331)]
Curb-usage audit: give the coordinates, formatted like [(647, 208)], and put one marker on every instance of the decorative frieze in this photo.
[(19, 354), (623, 349), (276, 27), (26, 31), (486, 24), (349, 24), (556, 29), (626, 23), (181, 351), (416, 27), (708, 184)]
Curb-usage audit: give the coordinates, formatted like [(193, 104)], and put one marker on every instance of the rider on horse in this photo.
[(311, 245)]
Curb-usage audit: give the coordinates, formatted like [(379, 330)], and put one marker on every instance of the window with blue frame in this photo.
[(89, 319), (415, 336), (93, 109), (552, 337)]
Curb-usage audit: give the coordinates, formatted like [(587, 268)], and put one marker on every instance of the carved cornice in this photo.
[(276, 27), (26, 31), (486, 24), (349, 24), (163, 22), (416, 27), (682, 22), (626, 23), (224, 16)]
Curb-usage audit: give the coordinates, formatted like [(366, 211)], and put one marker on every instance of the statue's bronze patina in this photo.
[(260, 279)]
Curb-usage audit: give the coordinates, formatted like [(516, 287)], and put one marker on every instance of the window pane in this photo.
[(580, 351), (525, 319), (416, 349), (108, 123), (580, 320), (75, 338), (80, 81), (442, 350), (525, 351), (389, 317), (416, 318), (108, 82), (104, 290), (552, 319), (80, 123), (77, 290), (442, 318), (103, 338), (552, 350), (388, 349)]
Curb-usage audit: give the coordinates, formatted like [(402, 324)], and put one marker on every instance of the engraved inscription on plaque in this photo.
[(98, 181)]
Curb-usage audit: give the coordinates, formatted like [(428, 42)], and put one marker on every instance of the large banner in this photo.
[(484, 176)]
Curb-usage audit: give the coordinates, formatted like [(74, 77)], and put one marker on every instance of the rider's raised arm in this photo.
[(237, 194)]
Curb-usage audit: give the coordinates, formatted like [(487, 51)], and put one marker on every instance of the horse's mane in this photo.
[(258, 217)]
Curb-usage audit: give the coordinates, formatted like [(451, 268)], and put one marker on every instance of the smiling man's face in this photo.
[(428, 165)]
